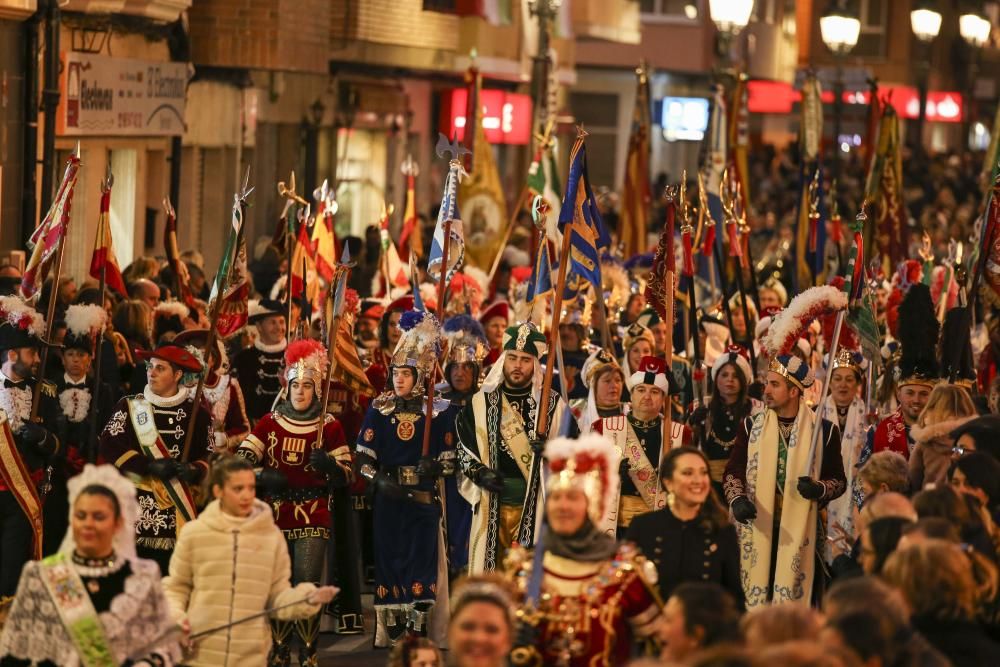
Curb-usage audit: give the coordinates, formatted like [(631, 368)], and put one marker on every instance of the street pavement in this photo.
[(353, 650)]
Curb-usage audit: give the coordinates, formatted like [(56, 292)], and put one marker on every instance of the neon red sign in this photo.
[(778, 97), (506, 116)]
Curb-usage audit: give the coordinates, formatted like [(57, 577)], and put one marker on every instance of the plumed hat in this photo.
[(588, 463)]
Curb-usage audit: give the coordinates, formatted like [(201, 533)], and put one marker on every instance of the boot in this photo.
[(308, 631), (281, 647)]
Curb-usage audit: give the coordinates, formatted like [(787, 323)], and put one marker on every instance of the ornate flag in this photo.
[(885, 189), (989, 261), (580, 218), (324, 237), (178, 267), (808, 248), (232, 282), (347, 369), (484, 209), (448, 211), (636, 197), (543, 180), (739, 139), (664, 264), (104, 251), (392, 266), (411, 236), (540, 282), (48, 236)]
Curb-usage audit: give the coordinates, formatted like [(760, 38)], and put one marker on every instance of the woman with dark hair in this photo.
[(946, 502), (879, 540), (981, 434), (977, 474), (481, 628), (691, 539), (698, 615), (717, 423)]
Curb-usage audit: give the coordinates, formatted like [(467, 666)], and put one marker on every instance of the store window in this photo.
[(125, 166), (361, 174), (672, 9), (874, 19)]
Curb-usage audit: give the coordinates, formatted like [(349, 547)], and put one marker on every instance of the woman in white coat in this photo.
[(232, 562)]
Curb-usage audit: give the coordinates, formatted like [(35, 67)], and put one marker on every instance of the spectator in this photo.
[(413, 651), (884, 471), (981, 434), (145, 290), (978, 474), (945, 502), (936, 581), (697, 615), (948, 408), (780, 623), (481, 629), (878, 540)]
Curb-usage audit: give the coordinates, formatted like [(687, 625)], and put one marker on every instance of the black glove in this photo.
[(756, 390), (623, 468), (385, 485), (326, 464), (698, 415), (163, 469), (809, 488), (489, 479), (744, 511), (537, 446), (272, 481), (189, 472), (429, 467), (36, 437)]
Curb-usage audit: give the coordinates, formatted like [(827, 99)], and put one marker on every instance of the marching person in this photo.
[(717, 424), (638, 439), (92, 602), (772, 491), (296, 477), (388, 336), (230, 423), (604, 380), (410, 568), (845, 408), (495, 319), (258, 368), (500, 449), (230, 563), (595, 599), (78, 401), (29, 447), (145, 439)]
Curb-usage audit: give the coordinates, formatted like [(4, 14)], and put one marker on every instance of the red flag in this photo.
[(104, 250), (410, 237), (664, 265), (48, 236)]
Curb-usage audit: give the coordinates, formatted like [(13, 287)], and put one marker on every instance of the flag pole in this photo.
[(668, 299), (543, 411), (442, 278), (336, 295), (50, 315), (98, 356)]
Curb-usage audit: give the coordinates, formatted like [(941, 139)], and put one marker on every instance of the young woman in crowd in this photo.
[(481, 629), (948, 408), (697, 616)]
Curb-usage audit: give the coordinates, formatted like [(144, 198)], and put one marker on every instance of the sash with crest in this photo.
[(18, 480), (642, 472), (513, 435), (76, 611), (141, 413)]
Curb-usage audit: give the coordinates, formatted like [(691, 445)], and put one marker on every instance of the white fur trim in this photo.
[(741, 363), (562, 449), (166, 402), (172, 308), (276, 347), (938, 429)]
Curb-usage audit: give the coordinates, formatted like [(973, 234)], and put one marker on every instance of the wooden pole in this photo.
[(543, 407), (442, 284), (98, 356), (50, 316), (821, 407), (331, 341)]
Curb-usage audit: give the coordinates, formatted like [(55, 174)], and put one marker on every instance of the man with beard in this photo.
[(500, 449), (638, 439), (258, 368), (771, 490), (28, 447)]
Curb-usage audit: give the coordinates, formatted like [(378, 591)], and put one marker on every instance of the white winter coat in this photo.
[(225, 568)]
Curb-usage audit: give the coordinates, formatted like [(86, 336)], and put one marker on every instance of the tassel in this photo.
[(709, 240), (734, 240), (836, 229), (686, 241), (744, 250)]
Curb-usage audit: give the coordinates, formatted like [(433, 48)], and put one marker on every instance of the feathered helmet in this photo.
[(20, 324), (466, 340), (306, 359), (955, 348), (788, 326), (169, 316), (83, 323), (918, 331), (419, 345), (590, 464)]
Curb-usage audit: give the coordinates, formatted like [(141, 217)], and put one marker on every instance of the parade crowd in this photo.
[(744, 481)]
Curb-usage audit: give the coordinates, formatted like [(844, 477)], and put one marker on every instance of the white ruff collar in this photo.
[(277, 347), (169, 402)]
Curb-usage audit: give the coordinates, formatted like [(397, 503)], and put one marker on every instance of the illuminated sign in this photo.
[(778, 97), (684, 118), (506, 116)]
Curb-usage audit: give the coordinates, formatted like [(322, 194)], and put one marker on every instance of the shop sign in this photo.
[(105, 96), (684, 118), (778, 97), (506, 116)]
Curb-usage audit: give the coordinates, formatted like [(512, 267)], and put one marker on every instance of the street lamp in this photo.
[(975, 29), (729, 17), (840, 29), (926, 24)]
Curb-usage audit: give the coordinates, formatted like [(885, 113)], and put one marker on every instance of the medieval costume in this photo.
[(466, 345), (500, 454), (771, 490), (717, 424), (594, 599), (852, 422), (112, 611), (145, 438), (410, 570), (78, 402), (258, 368), (639, 445), (588, 413), (223, 392), (28, 447), (298, 467)]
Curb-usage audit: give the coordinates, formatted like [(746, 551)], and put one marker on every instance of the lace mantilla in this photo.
[(136, 618)]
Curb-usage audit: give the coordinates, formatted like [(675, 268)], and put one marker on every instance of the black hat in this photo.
[(955, 347), (266, 308), (918, 330), (20, 324)]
